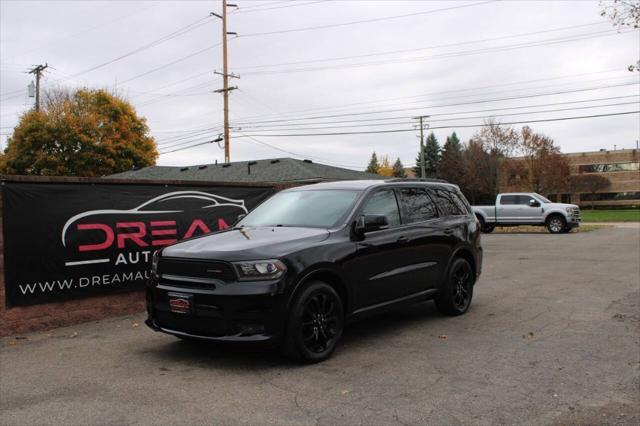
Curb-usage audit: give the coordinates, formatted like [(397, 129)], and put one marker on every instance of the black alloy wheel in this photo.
[(455, 297), (316, 323)]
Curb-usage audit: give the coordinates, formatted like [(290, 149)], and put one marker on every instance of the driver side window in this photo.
[(384, 202)]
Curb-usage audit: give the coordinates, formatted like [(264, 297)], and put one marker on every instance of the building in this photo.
[(278, 170), (621, 167)]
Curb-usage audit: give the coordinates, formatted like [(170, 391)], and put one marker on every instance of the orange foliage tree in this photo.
[(84, 133)]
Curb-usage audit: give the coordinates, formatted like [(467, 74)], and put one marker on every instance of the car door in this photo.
[(427, 244), (509, 211), (530, 213), (381, 255)]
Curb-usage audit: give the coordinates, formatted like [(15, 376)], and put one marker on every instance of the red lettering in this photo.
[(195, 225), (222, 225), (108, 234), (135, 237), (163, 232)]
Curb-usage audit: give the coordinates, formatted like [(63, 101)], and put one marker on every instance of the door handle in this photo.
[(403, 240), (448, 231)]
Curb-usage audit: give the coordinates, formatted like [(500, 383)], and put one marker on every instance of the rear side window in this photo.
[(384, 202), (509, 199), (448, 202), (416, 206)]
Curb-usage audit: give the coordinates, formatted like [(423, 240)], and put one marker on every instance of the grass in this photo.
[(541, 229), (628, 215)]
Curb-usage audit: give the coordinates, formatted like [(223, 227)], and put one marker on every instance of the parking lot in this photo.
[(552, 337)]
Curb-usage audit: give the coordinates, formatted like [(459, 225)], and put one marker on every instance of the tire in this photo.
[(456, 294), (556, 224), (316, 322)]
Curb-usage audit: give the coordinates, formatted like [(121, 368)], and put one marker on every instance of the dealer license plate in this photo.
[(180, 303)]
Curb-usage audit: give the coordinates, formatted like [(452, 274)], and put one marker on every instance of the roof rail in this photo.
[(417, 180)]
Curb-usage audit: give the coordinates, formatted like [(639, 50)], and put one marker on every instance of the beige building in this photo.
[(621, 167)]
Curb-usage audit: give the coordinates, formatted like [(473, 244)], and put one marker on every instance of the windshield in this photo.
[(316, 209), (541, 198)]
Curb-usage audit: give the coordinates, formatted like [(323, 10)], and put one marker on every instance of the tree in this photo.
[(398, 169), (477, 182), (500, 142), (621, 13), (547, 171), (431, 157), (85, 133), (589, 183), (450, 166), (385, 168), (373, 164)]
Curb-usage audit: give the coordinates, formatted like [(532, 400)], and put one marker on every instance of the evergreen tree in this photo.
[(451, 167), (398, 169), (373, 164), (431, 157)]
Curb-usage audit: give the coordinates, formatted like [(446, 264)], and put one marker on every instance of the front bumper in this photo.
[(230, 312)]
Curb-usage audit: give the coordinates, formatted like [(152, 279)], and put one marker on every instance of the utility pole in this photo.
[(423, 171), (225, 78), (37, 71)]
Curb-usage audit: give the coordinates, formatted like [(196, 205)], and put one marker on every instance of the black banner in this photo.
[(72, 240)]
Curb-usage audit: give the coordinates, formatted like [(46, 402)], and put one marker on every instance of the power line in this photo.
[(390, 52), (365, 21), (446, 105), (445, 127), (242, 10)]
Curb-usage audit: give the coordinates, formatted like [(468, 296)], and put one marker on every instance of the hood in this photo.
[(562, 206), (249, 243)]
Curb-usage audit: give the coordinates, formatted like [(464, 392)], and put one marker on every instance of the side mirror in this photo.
[(371, 222), (534, 203)]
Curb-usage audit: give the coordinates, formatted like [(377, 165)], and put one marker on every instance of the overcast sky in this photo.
[(454, 60)]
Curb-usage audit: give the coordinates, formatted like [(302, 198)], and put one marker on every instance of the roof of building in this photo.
[(271, 170)]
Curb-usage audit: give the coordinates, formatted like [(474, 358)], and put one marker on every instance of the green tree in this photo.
[(84, 133), (398, 169), (373, 166), (431, 157), (451, 166)]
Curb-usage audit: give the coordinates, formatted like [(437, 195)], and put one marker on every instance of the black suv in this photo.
[(312, 258)]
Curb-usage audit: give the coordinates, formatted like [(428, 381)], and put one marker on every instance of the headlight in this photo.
[(260, 270), (154, 262), (569, 209)]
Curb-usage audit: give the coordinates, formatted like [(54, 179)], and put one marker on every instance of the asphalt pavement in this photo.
[(552, 337)]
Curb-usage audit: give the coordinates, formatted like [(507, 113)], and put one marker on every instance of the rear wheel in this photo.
[(455, 297), (556, 224), (315, 324)]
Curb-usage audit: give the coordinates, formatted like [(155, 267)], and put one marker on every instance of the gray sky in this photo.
[(454, 60)]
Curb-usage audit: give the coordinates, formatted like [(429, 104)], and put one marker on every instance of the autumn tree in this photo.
[(398, 169), (547, 170), (590, 184), (84, 133), (431, 157), (450, 167), (500, 142), (385, 168), (373, 164)]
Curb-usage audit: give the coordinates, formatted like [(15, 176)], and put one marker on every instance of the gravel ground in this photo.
[(553, 337)]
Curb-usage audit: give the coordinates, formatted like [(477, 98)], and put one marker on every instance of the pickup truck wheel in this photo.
[(455, 297), (556, 224), (315, 324)]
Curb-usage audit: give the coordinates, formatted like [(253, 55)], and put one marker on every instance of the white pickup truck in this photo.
[(528, 208)]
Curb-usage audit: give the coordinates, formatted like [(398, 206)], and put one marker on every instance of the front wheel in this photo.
[(556, 224), (315, 324), (455, 297)]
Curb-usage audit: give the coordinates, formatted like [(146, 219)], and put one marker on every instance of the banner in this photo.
[(63, 241)]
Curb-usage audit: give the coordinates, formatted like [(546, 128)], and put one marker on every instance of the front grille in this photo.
[(196, 268)]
